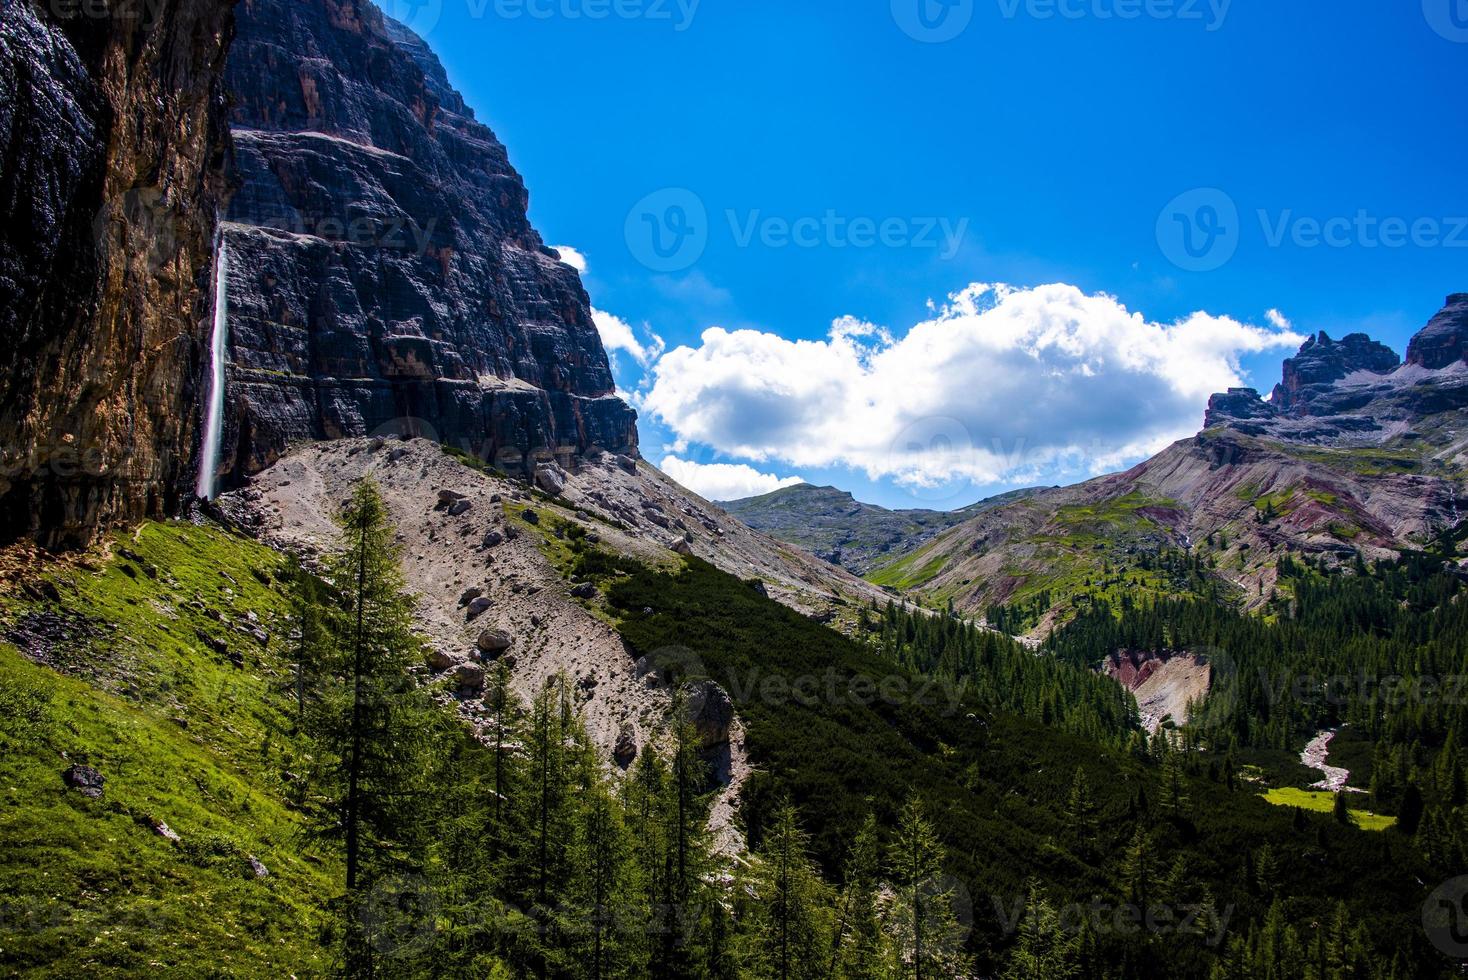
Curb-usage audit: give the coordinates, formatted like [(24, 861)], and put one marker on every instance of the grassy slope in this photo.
[(182, 735)]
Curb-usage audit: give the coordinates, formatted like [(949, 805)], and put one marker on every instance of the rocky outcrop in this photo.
[(1321, 362), (383, 273), (1444, 341), (111, 153)]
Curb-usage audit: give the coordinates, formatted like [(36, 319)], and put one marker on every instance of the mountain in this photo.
[(1356, 452), (382, 273), (112, 142), (834, 525)]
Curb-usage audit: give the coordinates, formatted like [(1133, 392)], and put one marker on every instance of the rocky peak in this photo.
[(1321, 362), (383, 274), (1444, 341)]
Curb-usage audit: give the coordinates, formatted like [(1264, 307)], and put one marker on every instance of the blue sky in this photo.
[(1056, 135)]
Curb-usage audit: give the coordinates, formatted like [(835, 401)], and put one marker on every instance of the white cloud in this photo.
[(572, 257), (617, 334), (1000, 384), (724, 481), (1278, 320)]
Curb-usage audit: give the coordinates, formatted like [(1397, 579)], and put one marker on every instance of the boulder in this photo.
[(493, 539), (469, 595), (584, 591), (85, 780), (681, 545), (469, 676), (550, 478), (440, 660), (493, 642), (627, 463), (710, 711), (625, 751), (256, 868), (531, 517), (479, 606), (447, 498), (460, 507)]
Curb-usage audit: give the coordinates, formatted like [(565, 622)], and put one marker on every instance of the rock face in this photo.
[(111, 158), (1322, 362), (1444, 341), (383, 273)]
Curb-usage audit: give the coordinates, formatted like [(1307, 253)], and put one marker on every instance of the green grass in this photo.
[(909, 572), (184, 735), (1319, 801)]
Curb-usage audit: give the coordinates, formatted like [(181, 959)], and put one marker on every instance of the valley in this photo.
[(345, 630)]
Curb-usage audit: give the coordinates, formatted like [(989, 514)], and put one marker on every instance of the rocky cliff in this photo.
[(111, 147), (383, 275)]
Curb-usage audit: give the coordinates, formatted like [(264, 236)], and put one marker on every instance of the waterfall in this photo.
[(218, 351)]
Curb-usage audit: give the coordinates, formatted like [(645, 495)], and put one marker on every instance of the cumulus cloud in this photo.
[(572, 257), (1278, 320), (1001, 384), (724, 481), (617, 335)]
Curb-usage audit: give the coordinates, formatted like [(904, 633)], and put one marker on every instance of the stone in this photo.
[(494, 641), (257, 868), (710, 711), (492, 539), (625, 751), (584, 591), (681, 545), (531, 517), (447, 498), (163, 830), (469, 595), (550, 478), (469, 676), (626, 463), (460, 507), (478, 607), (85, 780), (440, 660)]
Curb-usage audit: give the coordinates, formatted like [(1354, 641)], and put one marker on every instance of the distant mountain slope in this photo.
[(1355, 452), (834, 525)]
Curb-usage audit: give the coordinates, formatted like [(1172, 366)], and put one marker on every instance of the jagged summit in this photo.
[(1444, 341), (1357, 391)]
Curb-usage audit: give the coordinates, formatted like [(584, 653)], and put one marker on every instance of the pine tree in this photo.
[(923, 917), (1044, 951), (376, 735), (792, 928)]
